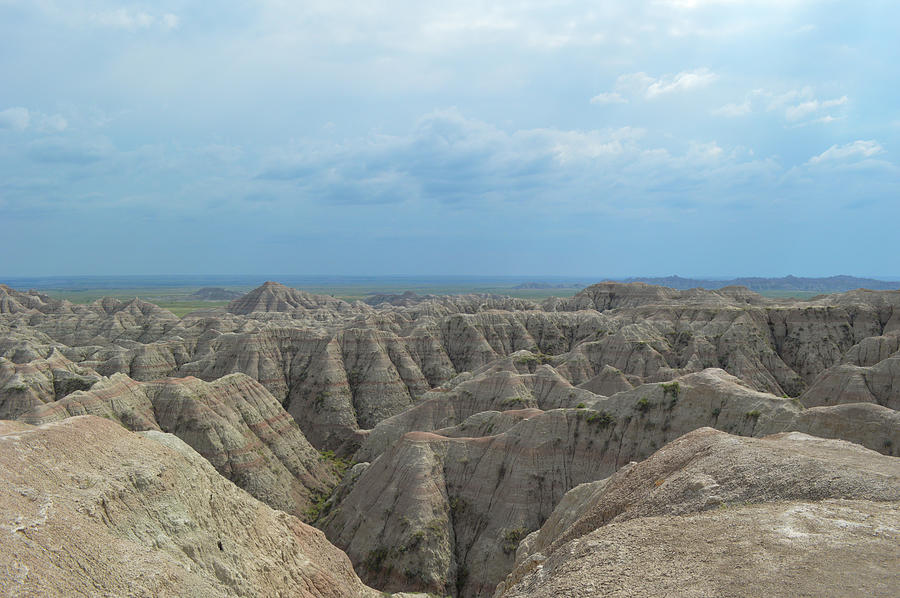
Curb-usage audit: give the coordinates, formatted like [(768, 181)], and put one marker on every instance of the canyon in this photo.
[(467, 445)]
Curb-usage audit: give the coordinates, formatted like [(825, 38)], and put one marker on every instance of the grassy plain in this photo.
[(179, 298)]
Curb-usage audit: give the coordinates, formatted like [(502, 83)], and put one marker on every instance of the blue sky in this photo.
[(697, 137)]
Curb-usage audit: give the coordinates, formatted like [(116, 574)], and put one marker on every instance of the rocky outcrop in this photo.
[(498, 388), (234, 423), (25, 386), (339, 367), (471, 415), (439, 305), (275, 297), (663, 411), (90, 509), (778, 549), (430, 511), (879, 383), (791, 494)]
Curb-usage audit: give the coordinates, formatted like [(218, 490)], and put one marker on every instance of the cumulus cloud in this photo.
[(858, 149), (797, 106), (17, 118), (804, 109), (682, 81), (642, 85), (452, 159)]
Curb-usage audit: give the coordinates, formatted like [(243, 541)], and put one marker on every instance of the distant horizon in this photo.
[(161, 280)]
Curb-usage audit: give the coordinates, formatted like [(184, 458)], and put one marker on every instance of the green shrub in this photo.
[(672, 388), (601, 419), (511, 401), (512, 538)]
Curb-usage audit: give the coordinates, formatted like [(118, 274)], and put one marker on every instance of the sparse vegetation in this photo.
[(458, 505), (643, 405), (512, 538), (375, 559), (672, 388), (319, 400), (340, 465), (536, 358), (513, 401), (753, 414), (317, 508), (601, 419), (436, 526)]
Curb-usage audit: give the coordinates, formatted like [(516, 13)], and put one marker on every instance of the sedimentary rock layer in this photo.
[(89, 508), (715, 514), (235, 423)]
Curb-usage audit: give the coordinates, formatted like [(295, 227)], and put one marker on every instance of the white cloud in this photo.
[(449, 158), (16, 118), (132, 20), (706, 152), (810, 107), (610, 97), (643, 85), (170, 21), (859, 149), (19, 119), (683, 81), (798, 106)]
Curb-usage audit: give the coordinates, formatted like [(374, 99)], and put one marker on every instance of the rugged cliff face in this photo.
[(234, 423), (441, 503), (90, 508), (339, 367), (716, 514), (471, 416), (29, 384)]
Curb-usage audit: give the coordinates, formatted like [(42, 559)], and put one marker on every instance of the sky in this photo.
[(640, 138)]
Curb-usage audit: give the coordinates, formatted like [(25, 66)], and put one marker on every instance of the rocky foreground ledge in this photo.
[(88, 508), (712, 514)]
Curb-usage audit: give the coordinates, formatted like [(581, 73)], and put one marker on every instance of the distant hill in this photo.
[(831, 284), (215, 294), (547, 285)]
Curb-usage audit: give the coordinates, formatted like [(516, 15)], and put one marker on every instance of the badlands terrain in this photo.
[(630, 440)]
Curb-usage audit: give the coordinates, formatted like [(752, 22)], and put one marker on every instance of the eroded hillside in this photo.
[(470, 417)]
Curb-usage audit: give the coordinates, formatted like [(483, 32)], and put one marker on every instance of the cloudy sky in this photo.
[(608, 138)]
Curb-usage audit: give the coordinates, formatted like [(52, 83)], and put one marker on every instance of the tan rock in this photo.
[(766, 492), (233, 422), (90, 509)]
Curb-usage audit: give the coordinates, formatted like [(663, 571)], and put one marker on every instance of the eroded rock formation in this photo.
[(471, 416), (234, 423), (716, 514), (89, 508)]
